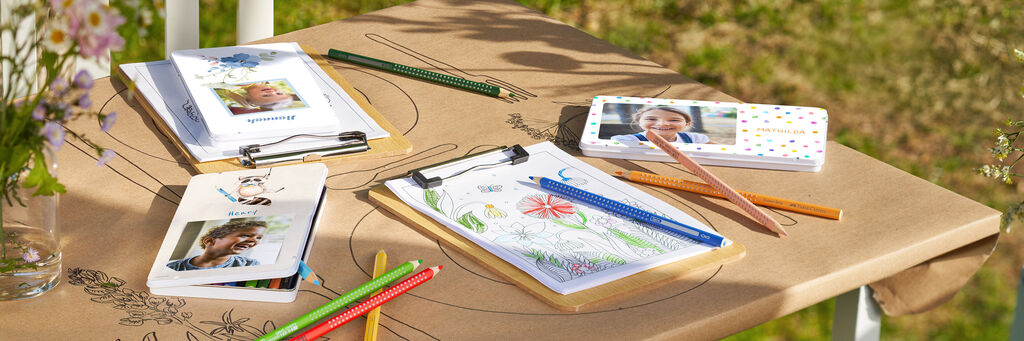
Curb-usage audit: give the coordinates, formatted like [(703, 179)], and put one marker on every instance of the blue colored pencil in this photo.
[(629, 211)]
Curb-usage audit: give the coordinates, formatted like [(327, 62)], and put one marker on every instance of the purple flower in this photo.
[(59, 86), (108, 121), (39, 113), (84, 101), (31, 255), (106, 156), (54, 133), (83, 80)]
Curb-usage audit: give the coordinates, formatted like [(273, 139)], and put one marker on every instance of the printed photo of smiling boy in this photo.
[(229, 243), (628, 124), (258, 97)]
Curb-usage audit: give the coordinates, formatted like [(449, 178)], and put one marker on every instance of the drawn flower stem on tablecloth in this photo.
[(141, 307)]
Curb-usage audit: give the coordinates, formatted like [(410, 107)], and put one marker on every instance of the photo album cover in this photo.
[(231, 227), (162, 88), (712, 133), (254, 91)]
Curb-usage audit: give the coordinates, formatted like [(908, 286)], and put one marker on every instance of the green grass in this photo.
[(917, 84)]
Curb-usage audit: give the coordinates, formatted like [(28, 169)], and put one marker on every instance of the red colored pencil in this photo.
[(368, 305)]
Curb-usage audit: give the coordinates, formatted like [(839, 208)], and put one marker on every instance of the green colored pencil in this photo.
[(410, 71), (342, 301)]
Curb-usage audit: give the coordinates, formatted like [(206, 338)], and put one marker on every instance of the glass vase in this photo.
[(30, 258)]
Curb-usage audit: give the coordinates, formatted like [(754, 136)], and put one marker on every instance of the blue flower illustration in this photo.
[(241, 60)]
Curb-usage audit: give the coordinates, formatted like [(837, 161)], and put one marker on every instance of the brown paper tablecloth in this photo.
[(114, 218)]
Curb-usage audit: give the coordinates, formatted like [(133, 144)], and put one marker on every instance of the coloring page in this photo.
[(564, 243)]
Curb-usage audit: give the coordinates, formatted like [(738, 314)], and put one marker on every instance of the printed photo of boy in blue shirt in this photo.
[(222, 245)]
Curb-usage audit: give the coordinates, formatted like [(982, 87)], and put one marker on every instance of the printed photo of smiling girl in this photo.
[(671, 123), (258, 97), (222, 246)]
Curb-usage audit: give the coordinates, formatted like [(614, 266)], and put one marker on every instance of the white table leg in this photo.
[(857, 317), (1017, 330), (255, 20)]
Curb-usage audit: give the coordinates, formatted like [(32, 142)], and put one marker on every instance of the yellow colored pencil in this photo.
[(380, 264), (757, 199)]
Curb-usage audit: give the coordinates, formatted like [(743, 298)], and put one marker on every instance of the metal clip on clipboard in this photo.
[(348, 142), (519, 155)]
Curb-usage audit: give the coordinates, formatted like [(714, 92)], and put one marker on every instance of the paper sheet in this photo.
[(159, 83), (565, 244)]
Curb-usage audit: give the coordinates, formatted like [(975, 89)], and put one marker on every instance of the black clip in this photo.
[(519, 155)]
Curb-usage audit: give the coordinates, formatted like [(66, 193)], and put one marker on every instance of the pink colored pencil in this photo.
[(368, 305), (717, 184)]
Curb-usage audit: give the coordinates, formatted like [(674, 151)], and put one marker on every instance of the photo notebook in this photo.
[(205, 130), (241, 235), (712, 133), (566, 245)]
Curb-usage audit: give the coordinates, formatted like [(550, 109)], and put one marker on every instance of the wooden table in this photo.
[(114, 218)]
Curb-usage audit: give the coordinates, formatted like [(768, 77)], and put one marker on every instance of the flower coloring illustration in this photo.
[(546, 207), (493, 212), (525, 235), (236, 67)]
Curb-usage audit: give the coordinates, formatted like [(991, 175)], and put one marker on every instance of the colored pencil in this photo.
[(717, 184), (418, 73), (341, 301), (360, 309), (380, 263), (757, 199), (307, 274), (630, 211)]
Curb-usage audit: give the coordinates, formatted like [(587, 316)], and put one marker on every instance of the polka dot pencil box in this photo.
[(712, 133)]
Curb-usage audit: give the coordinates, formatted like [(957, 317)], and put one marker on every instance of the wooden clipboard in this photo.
[(572, 302), (395, 144)]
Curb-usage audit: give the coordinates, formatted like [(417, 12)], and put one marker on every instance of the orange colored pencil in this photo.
[(712, 180), (757, 199)]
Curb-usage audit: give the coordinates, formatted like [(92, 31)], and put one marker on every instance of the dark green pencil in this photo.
[(457, 82)]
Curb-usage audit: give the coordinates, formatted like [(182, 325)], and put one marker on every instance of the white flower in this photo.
[(58, 38), (525, 235)]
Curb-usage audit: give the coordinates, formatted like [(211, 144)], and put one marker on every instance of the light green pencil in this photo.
[(342, 301)]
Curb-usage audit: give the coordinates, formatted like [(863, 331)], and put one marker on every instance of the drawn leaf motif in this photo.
[(103, 299), (268, 327), (471, 222), (634, 240), (582, 216), (151, 336), (189, 336), (554, 260), (163, 320), (131, 321), (553, 271), (671, 241), (430, 197), (535, 254), (614, 259), (445, 203), (572, 226)]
